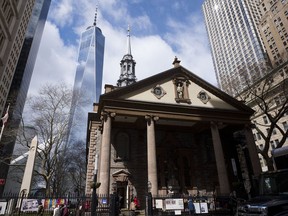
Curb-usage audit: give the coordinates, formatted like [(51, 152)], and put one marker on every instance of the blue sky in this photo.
[(160, 30)]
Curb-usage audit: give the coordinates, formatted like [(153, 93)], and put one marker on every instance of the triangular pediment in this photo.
[(121, 175), (180, 87)]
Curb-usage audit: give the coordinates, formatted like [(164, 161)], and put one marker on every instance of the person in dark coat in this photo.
[(191, 206), (40, 210)]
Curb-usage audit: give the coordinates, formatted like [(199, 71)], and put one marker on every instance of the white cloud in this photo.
[(152, 53), (55, 61), (62, 13)]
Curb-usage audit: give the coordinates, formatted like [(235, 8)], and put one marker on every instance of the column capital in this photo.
[(105, 115), (151, 117)]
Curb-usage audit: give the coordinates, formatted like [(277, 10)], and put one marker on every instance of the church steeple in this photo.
[(128, 41), (127, 64)]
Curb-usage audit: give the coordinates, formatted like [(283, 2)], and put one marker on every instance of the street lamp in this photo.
[(114, 200), (149, 186), (114, 187), (149, 205), (94, 195)]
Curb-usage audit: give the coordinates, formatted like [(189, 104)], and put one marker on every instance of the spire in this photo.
[(127, 64), (95, 17), (128, 41)]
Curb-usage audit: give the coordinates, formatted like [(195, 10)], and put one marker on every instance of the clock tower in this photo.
[(127, 65)]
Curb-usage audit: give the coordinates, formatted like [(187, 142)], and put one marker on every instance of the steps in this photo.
[(126, 212)]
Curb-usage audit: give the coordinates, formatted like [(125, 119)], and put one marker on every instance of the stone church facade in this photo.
[(170, 133)]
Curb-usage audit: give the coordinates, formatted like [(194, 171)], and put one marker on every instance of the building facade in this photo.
[(237, 51), (19, 88), (273, 89), (161, 133), (14, 19), (274, 30), (88, 81), (21, 28)]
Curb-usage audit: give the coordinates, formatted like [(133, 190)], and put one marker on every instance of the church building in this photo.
[(171, 133)]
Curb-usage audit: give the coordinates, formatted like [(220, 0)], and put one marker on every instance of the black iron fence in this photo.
[(108, 205), (204, 205), (11, 204)]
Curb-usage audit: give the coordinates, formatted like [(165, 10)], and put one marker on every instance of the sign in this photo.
[(2, 207), (174, 204), (2, 181), (159, 203), (201, 208), (30, 205), (177, 212)]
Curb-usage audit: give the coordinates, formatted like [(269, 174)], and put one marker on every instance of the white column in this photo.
[(105, 151), (220, 161), (151, 154)]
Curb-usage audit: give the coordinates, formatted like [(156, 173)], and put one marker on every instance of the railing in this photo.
[(204, 205), (11, 204)]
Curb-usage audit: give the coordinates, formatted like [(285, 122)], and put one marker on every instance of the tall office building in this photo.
[(14, 18), (237, 51), (274, 30), (88, 81), (21, 80), (20, 55)]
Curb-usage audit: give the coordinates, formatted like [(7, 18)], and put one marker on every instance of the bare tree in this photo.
[(269, 98), (77, 167), (50, 116)]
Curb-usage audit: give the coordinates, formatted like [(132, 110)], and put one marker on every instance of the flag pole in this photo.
[(4, 120)]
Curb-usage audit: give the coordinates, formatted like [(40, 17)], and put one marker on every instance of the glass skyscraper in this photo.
[(19, 89), (88, 82), (238, 54)]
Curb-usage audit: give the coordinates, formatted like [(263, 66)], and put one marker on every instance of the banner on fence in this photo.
[(201, 207), (30, 205), (159, 203), (2, 207), (174, 204), (51, 203)]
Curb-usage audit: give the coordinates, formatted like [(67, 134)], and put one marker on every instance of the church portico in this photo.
[(179, 145), (175, 156)]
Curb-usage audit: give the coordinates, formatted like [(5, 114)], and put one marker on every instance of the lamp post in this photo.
[(94, 195), (149, 186), (114, 200), (149, 200)]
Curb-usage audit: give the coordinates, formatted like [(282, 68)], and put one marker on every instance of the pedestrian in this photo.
[(191, 206), (64, 211), (136, 202), (56, 211), (40, 209), (61, 209)]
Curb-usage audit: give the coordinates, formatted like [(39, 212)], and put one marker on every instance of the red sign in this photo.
[(2, 181)]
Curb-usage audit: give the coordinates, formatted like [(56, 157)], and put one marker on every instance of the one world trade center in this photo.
[(88, 82)]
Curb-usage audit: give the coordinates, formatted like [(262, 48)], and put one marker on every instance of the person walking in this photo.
[(40, 209), (136, 202), (56, 211), (191, 206), (64, 211)]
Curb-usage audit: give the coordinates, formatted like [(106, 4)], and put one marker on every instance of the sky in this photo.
[(159, 29)]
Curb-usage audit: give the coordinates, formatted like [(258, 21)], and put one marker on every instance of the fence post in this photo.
[(149, 206), (114, 204)]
